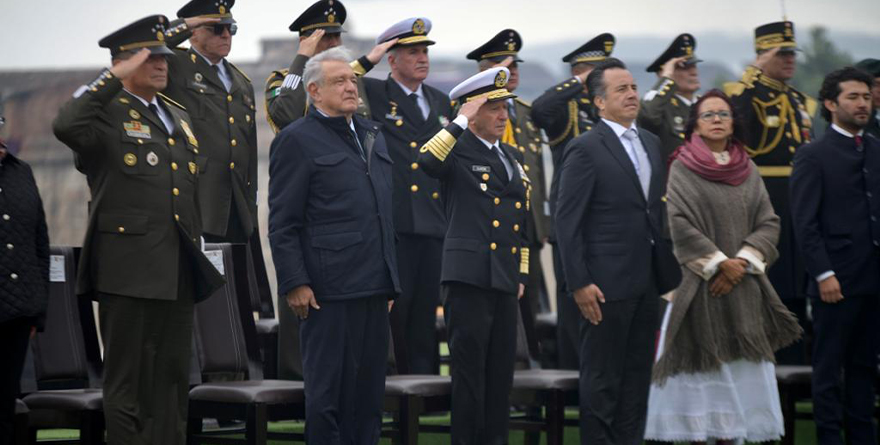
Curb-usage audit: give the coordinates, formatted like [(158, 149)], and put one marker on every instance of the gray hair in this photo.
[(314, 72)]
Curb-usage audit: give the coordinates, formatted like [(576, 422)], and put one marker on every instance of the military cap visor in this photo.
[(148, 32), (506, 43), (328, 15), (491, 83), (594, 51), (412, 31), (212, 9), (683, 46)]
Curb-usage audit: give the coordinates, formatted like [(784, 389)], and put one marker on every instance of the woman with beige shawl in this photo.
[(714, 377)]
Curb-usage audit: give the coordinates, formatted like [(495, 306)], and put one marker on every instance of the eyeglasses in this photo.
[(219, 28), (709, 116)]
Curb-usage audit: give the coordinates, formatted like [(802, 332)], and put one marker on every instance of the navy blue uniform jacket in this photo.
[(835, 202), (330, 223)]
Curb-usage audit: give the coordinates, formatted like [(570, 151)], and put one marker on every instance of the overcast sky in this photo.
[(64, 33)]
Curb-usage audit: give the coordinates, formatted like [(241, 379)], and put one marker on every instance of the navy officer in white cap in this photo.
[(411, 113), (485, 253)]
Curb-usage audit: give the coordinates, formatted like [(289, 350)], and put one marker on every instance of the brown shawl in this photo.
[(748, 323)]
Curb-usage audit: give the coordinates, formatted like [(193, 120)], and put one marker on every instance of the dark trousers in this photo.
[(415, 311), (345, 345), (482, 346), (15, 335), (846, 338), (147, 346), (615, 372), (568, 320)]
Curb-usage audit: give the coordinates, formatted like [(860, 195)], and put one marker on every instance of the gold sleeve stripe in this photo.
[(774, 171), (440, 145), (358, 68), (524, 260)]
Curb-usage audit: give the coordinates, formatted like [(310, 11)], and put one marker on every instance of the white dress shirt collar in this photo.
[(162, 115), (620, 129), (846, 133)]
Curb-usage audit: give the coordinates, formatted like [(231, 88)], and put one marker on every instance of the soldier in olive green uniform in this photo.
[(525, 136), (319, 28), (665, 108), (778, 121), (564, 112), (142, 257), (220, 100)]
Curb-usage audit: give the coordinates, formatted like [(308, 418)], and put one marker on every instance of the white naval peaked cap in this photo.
[(491, 83), (412, 31)]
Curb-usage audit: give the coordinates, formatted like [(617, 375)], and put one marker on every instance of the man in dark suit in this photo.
[(872, 67), (411, 113), (332, 239), (485, 254), (564, 111), (141, 257), (835, 198), (617, 258)]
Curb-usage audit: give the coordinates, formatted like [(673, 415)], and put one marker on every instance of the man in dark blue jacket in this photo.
[(835, 200), (332, 239)]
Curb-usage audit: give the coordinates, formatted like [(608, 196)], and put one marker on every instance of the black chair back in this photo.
[(224, 324), (66, 354), (258, 280)]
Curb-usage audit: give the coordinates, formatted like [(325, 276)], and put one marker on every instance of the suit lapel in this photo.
[(656, 169), (615, 147), (233, 77)]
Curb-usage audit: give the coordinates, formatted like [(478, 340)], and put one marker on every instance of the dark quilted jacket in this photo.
[(24, 244)]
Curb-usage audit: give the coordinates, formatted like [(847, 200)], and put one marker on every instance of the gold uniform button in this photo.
[(232, 165), (229, 98), (231, 120), (398, 123), (130, 159), (497, 201), (485, 176), (175, 191), (513, 250), (495, 223), (171, 141), (435, 195), (247, 117), (174, 166), (176, 217), (414, 166), (414, 188), (516, 227), (196, 150), (10, 246), (518, 130), (121, 229), (526, 167), (518, 205), (522, 149), (413, 144), (681, 135), (233, 142), (493, 246)]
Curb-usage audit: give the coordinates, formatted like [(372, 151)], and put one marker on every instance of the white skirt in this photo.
[(739, 401)]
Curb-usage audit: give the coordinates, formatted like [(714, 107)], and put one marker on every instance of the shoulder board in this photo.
[(523, 103), (733, 88), (240, 71), (812, 105), (170, 101)]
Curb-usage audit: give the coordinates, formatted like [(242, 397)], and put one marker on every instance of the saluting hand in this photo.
[(588, 299), (300, 299), (505, 63), (309, 45), (470, 109), (194, 22), (668, 68), (375, 55), (125, 67), (763, 58)]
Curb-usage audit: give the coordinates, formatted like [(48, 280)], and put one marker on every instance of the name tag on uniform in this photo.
[(481, 168), (136, 129)]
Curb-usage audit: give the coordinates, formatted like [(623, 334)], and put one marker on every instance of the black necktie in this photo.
[(415, 100), (859, 141), (498, 165)]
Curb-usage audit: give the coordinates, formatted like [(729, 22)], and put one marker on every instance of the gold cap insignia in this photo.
[(221, 9), (130, 159), (511, 46), (134, 114), (418, 27), (331, 18), (689, 50), (501, 79), (609, 45), (160, 36)]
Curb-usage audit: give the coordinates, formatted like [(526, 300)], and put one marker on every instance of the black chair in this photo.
[(20, 423), (794, 384), (226, 342), (263, 306), (544, 393), (66, 363)]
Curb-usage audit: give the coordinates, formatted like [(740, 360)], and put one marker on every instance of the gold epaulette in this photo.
[(240, 72), (171, 101), (733, 88), (523, 102)]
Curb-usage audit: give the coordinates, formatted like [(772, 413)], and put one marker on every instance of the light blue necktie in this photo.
[(639, 159)]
